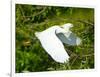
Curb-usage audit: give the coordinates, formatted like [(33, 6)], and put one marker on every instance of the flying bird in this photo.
[(52, 40)]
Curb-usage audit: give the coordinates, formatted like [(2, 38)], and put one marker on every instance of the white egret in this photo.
[(51, 40)]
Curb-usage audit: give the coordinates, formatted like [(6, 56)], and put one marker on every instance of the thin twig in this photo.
[(21, 10), (74, 60), (77, 20), (37, 13), (87, 55), (83, 21)]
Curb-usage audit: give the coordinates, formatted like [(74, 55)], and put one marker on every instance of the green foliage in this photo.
[(31, 57)]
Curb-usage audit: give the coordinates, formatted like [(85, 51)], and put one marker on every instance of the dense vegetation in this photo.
[(31, 57)]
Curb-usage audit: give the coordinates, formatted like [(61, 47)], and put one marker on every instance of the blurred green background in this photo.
[(31, 57)]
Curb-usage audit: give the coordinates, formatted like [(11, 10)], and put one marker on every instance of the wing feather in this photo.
[(69, 38)]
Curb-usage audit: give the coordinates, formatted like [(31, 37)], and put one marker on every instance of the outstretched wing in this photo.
[(69, 38)]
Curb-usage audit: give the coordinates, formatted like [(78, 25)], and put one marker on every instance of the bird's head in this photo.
[(67, 26), (60, 30)]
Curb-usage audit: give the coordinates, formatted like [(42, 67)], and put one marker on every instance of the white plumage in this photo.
[(52, 44)]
